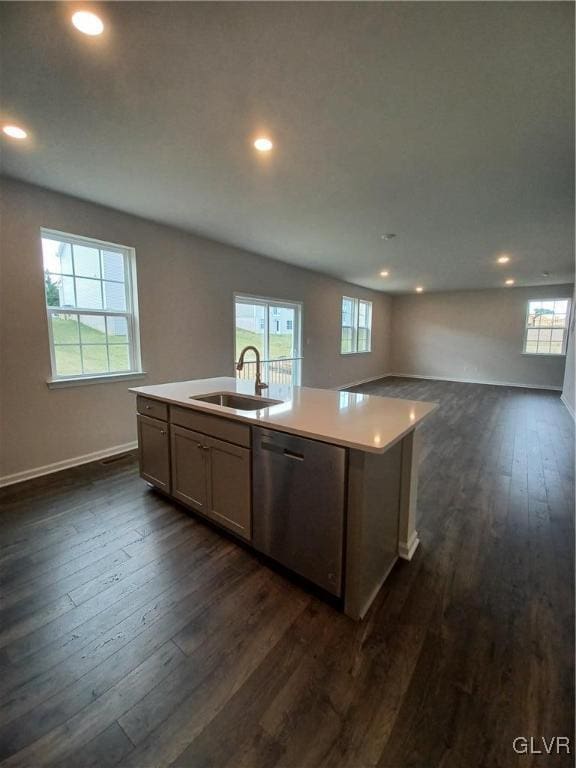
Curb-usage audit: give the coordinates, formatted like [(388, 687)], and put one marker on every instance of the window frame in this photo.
[(566, 328), (131, 313), (356, 302), (269, 302)]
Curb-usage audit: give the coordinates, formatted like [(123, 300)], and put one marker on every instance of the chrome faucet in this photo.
[(260, 385)]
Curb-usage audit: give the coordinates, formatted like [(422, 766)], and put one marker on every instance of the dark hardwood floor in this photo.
[(133, 635)]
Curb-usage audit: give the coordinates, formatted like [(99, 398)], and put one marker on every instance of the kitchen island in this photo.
[(322, 481)]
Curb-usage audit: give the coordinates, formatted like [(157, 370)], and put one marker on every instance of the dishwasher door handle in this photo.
[(282, 451)]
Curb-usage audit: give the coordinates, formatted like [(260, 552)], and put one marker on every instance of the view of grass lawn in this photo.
[(98, 356), (280, 343)]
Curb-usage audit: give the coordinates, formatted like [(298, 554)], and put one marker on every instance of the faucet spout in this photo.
[(259, 385)]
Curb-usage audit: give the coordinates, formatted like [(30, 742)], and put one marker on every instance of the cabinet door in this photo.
[(154, 452), (189, 467), (230, 486)]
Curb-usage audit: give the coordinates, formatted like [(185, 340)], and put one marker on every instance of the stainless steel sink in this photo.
[(239, 402)]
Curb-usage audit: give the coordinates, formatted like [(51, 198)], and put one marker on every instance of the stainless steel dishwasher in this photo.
[(299, 488)]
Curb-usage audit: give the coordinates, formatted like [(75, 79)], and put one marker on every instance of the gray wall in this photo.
[(472, 336), (569, 387), (184, 280), (185, 287)]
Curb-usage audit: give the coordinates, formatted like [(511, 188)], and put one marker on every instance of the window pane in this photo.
[(347, 312), (559, 321), (280, 337), (57, 256), (546, 315), (65, 329), (59, 290), (88, 293), (113, 266), (363, 340), (86, 261), (546, 326), (250, 322), (544, 335), (68, 361), (114, 296), (347, 336), (93, 329), (95, 358), (119, 357), (83, 282), (534, 308), (349, 319), (117, 330)]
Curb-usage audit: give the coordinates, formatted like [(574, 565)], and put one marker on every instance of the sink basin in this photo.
[(239, 402)]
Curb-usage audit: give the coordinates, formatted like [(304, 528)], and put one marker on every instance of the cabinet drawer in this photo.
[(154, 408), (216, 426)]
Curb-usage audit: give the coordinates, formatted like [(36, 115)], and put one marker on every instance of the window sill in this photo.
[(347, 354), (82, 381), (543, 354)]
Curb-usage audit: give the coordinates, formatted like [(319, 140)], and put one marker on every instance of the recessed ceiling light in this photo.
[(419, 289), (510, 281), (388, 236), (15, 132), (88, 23), (263, 145), (504, 259), (384, 273)]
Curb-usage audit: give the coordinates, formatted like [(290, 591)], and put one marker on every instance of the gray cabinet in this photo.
[(190, 467), (229, 486), (213, 477), (154, 452)]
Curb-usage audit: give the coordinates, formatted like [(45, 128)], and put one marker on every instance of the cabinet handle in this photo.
[(162, 431), (147, 407)]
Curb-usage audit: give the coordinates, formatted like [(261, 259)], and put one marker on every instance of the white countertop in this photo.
[(365, 422)]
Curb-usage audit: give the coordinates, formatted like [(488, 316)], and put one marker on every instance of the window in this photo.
[(91, 306), (547, 327), (356, 326), (259, 322)]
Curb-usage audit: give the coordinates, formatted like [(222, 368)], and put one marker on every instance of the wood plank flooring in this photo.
[(131, 634)]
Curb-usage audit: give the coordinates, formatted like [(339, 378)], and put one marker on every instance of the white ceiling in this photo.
[(450, 124)]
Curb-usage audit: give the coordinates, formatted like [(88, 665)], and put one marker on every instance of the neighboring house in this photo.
[(87, 293), (252, 317)]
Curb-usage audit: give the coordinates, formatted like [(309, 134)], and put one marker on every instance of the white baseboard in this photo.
[(48, 469), (364, 381), (406, 549), (472, 381), (568, 407)]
